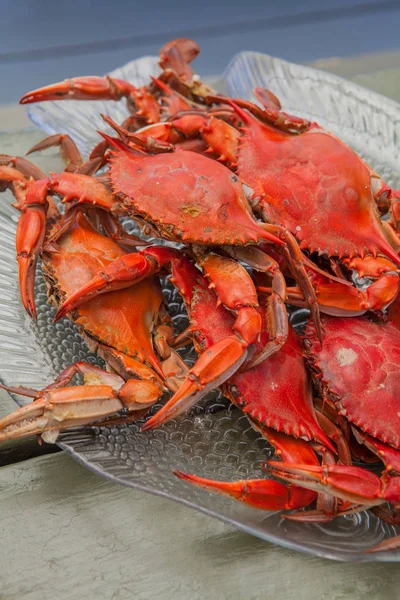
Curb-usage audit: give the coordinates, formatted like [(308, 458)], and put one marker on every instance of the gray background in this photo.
[(43, 41)]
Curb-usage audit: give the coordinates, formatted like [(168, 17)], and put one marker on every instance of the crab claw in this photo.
[(30, 236), (59, 409), (350, 483), (213, 368), (119, 274), (261, 493), (266, 493), (31, 232), (79, 88)]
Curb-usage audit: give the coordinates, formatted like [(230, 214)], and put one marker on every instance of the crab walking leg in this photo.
[(297, 265), (69, 153), (57, 408), (335, 434), (327, 506), (223, 273), (68, 149), (266, 493), (387, 454), (277, 313)]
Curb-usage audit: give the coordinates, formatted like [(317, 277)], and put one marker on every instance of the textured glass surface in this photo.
[(214, 440)]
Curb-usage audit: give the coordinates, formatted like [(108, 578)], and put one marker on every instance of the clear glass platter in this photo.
[(214, 440)]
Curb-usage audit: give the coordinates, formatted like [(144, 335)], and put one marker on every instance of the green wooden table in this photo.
[(67, 534)]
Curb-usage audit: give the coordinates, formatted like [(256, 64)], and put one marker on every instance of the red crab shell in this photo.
[(358, 368), (187, 196), (315, 185)]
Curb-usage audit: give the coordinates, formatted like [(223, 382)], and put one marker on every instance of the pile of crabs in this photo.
[(257, 210)]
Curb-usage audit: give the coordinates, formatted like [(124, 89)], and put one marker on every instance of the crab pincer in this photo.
[(266, 494), (32, 190), (61, 407), (99, 88)]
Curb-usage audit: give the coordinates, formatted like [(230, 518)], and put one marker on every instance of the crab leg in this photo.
[(119, 274), (265, 493), (335, 434), (350, 483), (343, 300), (98, 88), (33, 202), (69, 153), (388, 455), (57, 408), (211, 369), (16, 168), (31, 231), (177, 54), (220, 271)]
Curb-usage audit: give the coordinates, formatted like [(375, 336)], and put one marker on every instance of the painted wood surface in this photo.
[(67, 534)]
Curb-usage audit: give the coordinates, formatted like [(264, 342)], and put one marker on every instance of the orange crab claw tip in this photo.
[(41, 94), (181, 401), (55, 91), (212, 369), (233, 488), (62, 311), (31, 310), (156, 366), (26, 269), (182, 475), (27, 99)]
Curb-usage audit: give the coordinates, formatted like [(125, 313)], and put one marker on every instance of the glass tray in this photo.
[(214, 439)]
